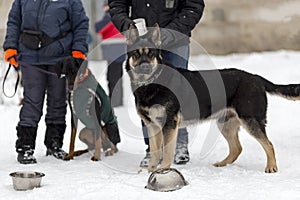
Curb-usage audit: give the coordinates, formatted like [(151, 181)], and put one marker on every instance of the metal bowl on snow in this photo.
[(166, 180), (26, 180)]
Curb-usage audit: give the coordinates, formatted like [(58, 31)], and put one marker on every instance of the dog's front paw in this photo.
[(95, 158), (220, 164), (153, 163), (271, 169), (151, 168), (109, 152)]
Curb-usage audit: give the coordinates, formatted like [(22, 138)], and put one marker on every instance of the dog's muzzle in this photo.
[(144, 68), (71, 81)]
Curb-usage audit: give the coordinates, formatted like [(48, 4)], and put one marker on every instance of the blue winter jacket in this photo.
[(52, 17)]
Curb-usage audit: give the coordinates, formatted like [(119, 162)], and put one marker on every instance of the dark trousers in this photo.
[(114, 78), (37, 85)]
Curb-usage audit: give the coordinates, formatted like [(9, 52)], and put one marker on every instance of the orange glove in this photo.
[(78, 54), (9, 56)]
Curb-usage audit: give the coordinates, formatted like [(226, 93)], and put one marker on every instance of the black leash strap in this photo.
[(25, 65), (16, 85)]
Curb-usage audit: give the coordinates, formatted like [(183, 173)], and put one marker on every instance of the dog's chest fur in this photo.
[(171, 93), (156, 103)]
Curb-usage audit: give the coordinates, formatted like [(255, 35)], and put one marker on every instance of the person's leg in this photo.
[(144, 163), (114, 78), (34, 83), (56, 115), (179, 59)]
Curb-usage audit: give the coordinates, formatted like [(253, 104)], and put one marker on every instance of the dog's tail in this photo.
[(291, 91)]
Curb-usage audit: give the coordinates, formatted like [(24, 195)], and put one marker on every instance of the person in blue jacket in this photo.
[(41, 33)]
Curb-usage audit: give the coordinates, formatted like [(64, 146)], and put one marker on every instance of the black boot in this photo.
[(26, 157), (54, 140), (25, 144), (57, 152)]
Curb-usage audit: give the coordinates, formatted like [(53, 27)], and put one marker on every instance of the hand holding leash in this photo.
[(10, 57)]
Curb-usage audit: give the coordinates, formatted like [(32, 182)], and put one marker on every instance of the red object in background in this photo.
[(109, 32)]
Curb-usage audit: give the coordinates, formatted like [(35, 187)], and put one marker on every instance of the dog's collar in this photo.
[(82, 77), (147, 82)]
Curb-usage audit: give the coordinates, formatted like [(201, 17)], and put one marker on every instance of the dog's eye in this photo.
[(151, 54), (135, 55)]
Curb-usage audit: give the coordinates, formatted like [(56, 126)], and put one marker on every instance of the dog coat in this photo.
[(84, 97)]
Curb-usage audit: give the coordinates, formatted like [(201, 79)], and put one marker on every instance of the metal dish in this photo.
[(166, 180), (26, 180)]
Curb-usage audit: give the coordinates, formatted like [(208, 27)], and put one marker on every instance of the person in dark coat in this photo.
[(177, 18), (39, 34), (114, 52)]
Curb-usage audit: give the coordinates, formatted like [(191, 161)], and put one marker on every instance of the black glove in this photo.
[(70, 65)]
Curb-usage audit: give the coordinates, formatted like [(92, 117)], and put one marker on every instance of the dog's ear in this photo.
[(80, 65), (132, 35), (155, 35)]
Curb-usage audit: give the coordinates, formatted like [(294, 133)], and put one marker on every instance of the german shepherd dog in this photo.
[(81, 80), (167, 98)]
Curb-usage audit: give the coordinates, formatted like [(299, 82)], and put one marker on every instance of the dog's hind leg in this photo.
[(229, 128), (98, 146), (108, 147), (257, 130)]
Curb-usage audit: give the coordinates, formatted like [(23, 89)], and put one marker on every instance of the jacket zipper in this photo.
[(40, 17), (38, 27)]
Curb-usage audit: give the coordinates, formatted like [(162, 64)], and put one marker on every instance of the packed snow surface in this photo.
[(116, 177)]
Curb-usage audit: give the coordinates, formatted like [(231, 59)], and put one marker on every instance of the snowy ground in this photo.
[(116, 177)]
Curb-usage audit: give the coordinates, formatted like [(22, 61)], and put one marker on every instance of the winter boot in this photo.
[(145, 162), (26, 157), (54, 140), (181, 154), (57, 152), (25, 144)]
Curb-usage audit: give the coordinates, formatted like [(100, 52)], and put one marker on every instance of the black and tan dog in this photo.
[(89, 102), (167, 98)]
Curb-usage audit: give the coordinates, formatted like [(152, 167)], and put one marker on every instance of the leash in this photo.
[(25, 65), (16, 84)]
